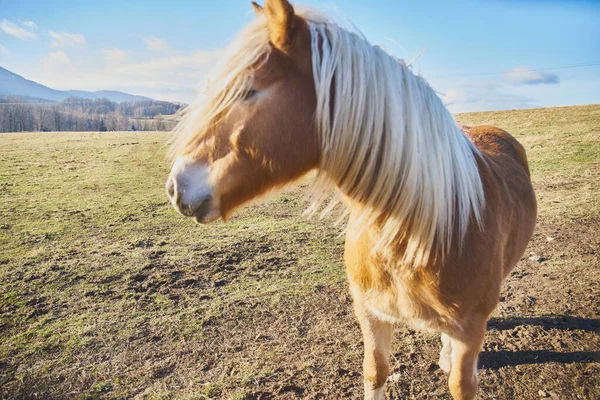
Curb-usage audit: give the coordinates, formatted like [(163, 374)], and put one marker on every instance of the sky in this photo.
[(477, 54)]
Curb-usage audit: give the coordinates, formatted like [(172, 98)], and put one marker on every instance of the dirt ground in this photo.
[(105, 292)]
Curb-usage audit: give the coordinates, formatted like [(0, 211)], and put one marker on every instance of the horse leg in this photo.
[(445, 361), (377, 336), (466, 345)]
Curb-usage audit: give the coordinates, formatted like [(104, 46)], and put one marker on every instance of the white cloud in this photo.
[(4, 51), (527, 76), (484, 96), (170, 78), (29, 24), (194, 64), (114, 56), (155, 43), (67, 39), (17, 31), (56, 61)]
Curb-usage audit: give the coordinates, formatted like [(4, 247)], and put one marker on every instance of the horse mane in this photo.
[(389, 143), (386, 139)]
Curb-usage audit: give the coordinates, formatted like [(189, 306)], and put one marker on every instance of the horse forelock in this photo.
[(222, 88), (227, 81)]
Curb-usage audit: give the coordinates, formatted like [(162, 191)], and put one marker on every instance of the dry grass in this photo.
[(106, 293)]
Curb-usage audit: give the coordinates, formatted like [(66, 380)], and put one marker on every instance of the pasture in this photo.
[(105, 292)]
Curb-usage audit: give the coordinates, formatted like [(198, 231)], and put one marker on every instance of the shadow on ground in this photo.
[(504, 358), (499, 359), (563, 322)]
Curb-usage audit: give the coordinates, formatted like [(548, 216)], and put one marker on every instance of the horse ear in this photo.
[(281, 19), (258, 10)]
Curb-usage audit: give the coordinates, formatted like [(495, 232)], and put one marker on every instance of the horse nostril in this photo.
[(203, 207), (170, 186), (205, 204)]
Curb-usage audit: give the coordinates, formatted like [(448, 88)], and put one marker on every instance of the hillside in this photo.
[(12, 84)]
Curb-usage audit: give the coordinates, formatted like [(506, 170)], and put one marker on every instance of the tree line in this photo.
[(77, 114)]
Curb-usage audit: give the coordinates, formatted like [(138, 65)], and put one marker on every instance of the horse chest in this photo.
[(394, 296)]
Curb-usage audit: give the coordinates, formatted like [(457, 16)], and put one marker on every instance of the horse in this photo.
[(437, 215)]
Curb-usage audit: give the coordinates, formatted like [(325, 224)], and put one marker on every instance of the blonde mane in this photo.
[(389, 143), (386, 139)]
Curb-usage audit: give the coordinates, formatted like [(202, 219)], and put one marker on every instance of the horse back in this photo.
[(510, 199), (497, 143)]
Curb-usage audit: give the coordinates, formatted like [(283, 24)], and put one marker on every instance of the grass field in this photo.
[(105, 292)]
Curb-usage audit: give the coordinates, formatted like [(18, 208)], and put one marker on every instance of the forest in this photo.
[(78, 114)]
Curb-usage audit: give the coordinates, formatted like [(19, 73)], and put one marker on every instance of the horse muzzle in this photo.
[(189, 193)]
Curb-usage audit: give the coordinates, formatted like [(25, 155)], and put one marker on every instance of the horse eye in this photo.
[(249, 94)]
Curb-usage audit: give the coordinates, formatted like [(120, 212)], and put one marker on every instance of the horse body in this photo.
[(455, 294), (450, 285), (437, 219)]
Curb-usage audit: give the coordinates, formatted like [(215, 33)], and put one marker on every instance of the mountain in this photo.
[(12, 84), (112, 95)]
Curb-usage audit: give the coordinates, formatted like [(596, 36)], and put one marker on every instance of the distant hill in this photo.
[(112, 95), (12, 84)]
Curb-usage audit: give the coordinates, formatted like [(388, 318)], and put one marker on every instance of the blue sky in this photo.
[(480, 55)]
